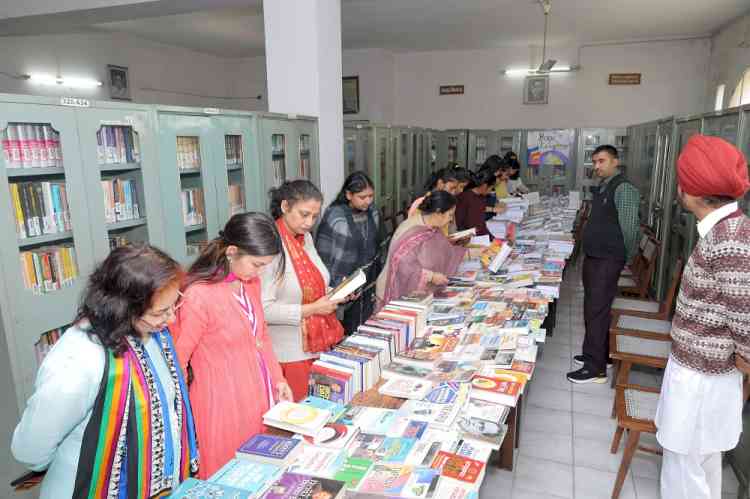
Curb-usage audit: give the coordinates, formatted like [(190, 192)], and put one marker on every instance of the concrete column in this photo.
[(303, 71)]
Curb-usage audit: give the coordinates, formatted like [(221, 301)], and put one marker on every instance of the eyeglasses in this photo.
[(172, 309)]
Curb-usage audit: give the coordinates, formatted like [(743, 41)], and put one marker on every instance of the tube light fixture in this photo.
[(536, 72), (46, 79)]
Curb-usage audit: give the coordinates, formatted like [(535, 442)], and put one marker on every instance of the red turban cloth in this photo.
[(711, 166)]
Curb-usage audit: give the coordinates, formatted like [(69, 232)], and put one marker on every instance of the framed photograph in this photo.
[(119, 84), (536, 90), (351, 94)]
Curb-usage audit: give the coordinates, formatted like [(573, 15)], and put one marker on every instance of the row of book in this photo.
[(120, 199), (48, 268), (116, 241), (31, 145), (278, 144), (40, 208), (45, 342), (193, 207), (188, 153), (117, 144), (236, 199), (233, 149)]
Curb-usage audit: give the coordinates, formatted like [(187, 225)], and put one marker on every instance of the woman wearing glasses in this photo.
[(222, 335), (112, 387)]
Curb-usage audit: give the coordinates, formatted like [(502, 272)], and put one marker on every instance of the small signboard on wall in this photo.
[(625, 78), (451, 89)]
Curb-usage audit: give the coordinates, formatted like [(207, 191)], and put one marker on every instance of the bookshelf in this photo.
[(288, 146), (403, 167), (482, 144), (452, 148), (432, 138)]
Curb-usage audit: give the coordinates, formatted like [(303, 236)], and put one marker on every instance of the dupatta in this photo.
[(319, 332), (127, 448)]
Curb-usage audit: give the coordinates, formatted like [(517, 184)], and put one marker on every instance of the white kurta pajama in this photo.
[(699, 416)]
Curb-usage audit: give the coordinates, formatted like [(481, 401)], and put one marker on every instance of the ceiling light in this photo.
[(547, 65), (534, 72), (46, 79)]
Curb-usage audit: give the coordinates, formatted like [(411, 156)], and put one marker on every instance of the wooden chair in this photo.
[(639, 284), (636, 411), (651, 309), (583, 217), (634, 269)]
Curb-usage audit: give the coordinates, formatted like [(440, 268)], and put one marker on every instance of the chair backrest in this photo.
[(647, 266), (668, 303)]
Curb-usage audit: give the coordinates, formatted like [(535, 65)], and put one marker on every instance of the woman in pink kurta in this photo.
[(221, 335)]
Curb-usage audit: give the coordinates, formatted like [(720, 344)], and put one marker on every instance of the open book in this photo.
[(462, 234), (348, 286)]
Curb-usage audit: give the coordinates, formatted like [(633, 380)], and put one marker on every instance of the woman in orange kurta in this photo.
[(222, 336)]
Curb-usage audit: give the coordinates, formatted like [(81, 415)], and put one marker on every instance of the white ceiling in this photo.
[(405, 25)]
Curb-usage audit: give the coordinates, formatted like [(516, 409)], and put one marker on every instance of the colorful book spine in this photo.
[(48, 268), (40, 208)]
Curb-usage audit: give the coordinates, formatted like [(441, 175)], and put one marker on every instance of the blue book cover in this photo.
[(445, 393), (192, 488), (394, 450), (247, 475), (336, 409), (269, 446), (57, 206)]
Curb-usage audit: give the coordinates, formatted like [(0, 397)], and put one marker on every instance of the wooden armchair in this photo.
[(650, 309), (636, 411), (634, 269), (639, 284)]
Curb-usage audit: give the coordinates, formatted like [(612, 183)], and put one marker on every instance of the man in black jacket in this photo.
[(610, 239)]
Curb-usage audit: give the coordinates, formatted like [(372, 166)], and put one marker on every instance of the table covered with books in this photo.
[(428, 392)]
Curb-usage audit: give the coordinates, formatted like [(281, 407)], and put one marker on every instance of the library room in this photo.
[(328, 249)]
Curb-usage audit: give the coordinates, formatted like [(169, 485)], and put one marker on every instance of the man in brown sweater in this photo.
[(700, 408)]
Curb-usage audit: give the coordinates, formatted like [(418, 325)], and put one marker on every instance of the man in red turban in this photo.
[(700, 407)]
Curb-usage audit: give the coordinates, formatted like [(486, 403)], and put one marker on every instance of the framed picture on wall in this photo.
[(536, 90), (351, 94), (119, 84)]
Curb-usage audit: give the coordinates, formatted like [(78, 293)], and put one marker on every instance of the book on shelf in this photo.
[(117, 144), (271, 449), (193, 207), (48, 268), (45, 342), (31, 145), (120, 199), (40, 208), (251, 476), (348, 286), (233, 149), (297, 418), (301, 486), (188, 153), (192, 488)]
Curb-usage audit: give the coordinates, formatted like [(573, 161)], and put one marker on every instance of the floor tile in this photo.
[(497, 483), (593, 427), (646, 488), (646, 465), (542, 476), (596, 389), (549, 378), (591, 404), (550, 446), (550, 398), (525, 494), (561, 363), (597, 484), (556, 350), (595, 454), (536, 419)]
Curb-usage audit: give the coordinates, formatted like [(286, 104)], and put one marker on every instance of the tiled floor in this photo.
[(567, 429)]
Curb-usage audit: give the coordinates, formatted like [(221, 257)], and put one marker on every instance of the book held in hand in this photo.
[(269, 449), (348, 286)]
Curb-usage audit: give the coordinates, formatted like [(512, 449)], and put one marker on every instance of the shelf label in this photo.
[(291, 116), (74, 102), (211, 110)]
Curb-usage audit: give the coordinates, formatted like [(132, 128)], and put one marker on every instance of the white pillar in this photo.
[(303, 70)]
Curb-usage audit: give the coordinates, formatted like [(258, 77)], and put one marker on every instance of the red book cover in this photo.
[(458, 467)]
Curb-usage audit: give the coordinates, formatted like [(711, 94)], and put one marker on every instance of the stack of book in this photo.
[(40, 208), (48, 268), (120, 199), (31, 145), (193, 208), (117, 144)]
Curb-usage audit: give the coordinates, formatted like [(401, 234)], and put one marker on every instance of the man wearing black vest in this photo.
[(610, 239)]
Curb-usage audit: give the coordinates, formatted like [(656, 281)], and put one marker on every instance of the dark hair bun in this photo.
[(437, 202)]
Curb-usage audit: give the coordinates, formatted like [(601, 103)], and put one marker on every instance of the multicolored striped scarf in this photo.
[(127, 448)]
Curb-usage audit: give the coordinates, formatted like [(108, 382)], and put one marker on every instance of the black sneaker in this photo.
[(578, 360), (584, 375)]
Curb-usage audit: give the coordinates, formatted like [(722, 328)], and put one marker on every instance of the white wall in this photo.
[(158, 73), (674, 82), (377, 85), (728, 60)]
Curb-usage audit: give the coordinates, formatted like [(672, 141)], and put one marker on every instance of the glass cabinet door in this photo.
[(233, 154), (304, 156)]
